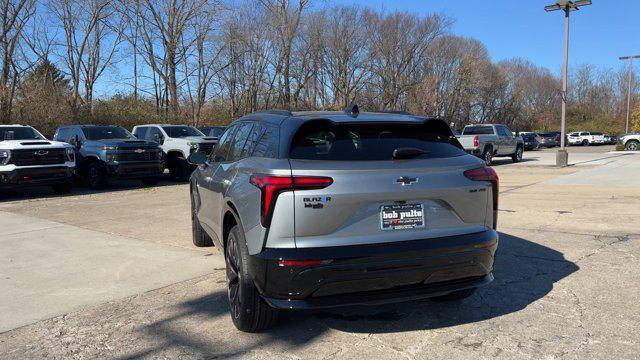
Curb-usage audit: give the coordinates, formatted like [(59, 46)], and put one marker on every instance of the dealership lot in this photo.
[(114, 275)]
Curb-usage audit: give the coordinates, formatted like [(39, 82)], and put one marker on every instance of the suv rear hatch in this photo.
[(376, 197)]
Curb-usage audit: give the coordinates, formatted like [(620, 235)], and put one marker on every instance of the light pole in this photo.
[(630, 58), (562, 157)]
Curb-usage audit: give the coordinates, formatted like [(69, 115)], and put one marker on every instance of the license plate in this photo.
[(401, 217)]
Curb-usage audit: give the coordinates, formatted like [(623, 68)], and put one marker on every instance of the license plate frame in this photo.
[(395, 217)]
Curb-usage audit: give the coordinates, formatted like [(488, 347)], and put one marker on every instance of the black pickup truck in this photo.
[(105, 151)]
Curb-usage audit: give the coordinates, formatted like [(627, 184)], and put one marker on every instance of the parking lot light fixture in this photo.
[(562, 158), (630, 58)]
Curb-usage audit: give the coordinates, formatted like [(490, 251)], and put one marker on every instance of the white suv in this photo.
[(177, 142), (586, 138), (28, 159)]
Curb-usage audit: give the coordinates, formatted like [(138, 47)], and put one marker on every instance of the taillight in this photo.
[(476, 141), (271, 186), (486, 174)]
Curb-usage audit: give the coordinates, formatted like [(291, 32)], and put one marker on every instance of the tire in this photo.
[(151, 181), (487, 156), (180, 170), (200, 237), (632, 145), (62, 188), (456, 295), (585, 142), (96, 176), (249, 312), (517, 156)]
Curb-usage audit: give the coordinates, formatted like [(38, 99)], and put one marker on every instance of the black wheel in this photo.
[(487, 156), (180, 170), (517, 156), (200, 237), (631, 145), (456, 295), (249, 312), (62, 188), (585, 142), (150, 181), (96, 176)]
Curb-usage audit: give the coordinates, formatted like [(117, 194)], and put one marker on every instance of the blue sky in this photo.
[(599, 33)]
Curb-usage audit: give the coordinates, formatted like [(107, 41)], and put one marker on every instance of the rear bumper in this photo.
[(135, 169), (41, 176), (375, 274)]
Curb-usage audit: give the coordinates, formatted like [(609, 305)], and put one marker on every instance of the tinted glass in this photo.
[(477, 130), (154, 134), (61, 134), (140, 132), (360, 142), (179, 131), (261, 142), (105, 132), (527, 137), (222, 149), (19, 133), (240, 139), (596, 133)]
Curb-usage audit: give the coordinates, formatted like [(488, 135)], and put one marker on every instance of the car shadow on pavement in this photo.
[(525, 272)]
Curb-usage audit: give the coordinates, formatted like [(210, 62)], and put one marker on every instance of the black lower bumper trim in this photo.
[(382, 297), (374, 273), (43, 176)]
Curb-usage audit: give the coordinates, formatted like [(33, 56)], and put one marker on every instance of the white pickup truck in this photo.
[(586, 138), (177, 142), (488, 141), (28, 159)]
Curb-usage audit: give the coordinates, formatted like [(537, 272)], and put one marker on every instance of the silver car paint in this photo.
[(453, 204)]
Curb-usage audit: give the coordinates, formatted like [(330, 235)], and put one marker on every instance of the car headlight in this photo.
[(5, 155), (108, 148), (71, 154)]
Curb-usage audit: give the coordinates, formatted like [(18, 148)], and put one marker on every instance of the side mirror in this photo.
[(75, 141), (159, 139), (198, 158)]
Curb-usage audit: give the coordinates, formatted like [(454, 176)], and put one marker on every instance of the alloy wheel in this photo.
[(233, 277)]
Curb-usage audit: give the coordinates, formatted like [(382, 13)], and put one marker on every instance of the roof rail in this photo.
[(398, 112), (275, 112)]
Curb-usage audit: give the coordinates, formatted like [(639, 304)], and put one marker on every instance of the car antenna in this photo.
[(352, 110)]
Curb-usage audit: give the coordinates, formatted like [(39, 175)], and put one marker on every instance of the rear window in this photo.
[(477, 130), (325, 140), (596, 133)]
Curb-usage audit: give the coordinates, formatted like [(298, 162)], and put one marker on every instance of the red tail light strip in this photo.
[(271, 186)]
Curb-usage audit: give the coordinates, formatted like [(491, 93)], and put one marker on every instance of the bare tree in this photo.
[(15, 15), (164, 23)]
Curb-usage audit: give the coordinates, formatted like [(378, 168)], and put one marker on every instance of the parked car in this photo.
[(177, 142), (108, 151), (630, 142), (488, 141), (213, 131), (387, 208), (610, 139), (27, 158), (586, 138), (548, 140), (530, 140)]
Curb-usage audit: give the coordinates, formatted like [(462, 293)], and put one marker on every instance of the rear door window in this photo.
[(240, 139), (262, 142), (324, 140), (222, 149)]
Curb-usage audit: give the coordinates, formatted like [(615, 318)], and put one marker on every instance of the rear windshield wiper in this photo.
[(408, 153)]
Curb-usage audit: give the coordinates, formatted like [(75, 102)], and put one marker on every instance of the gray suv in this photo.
[(324, 209)]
